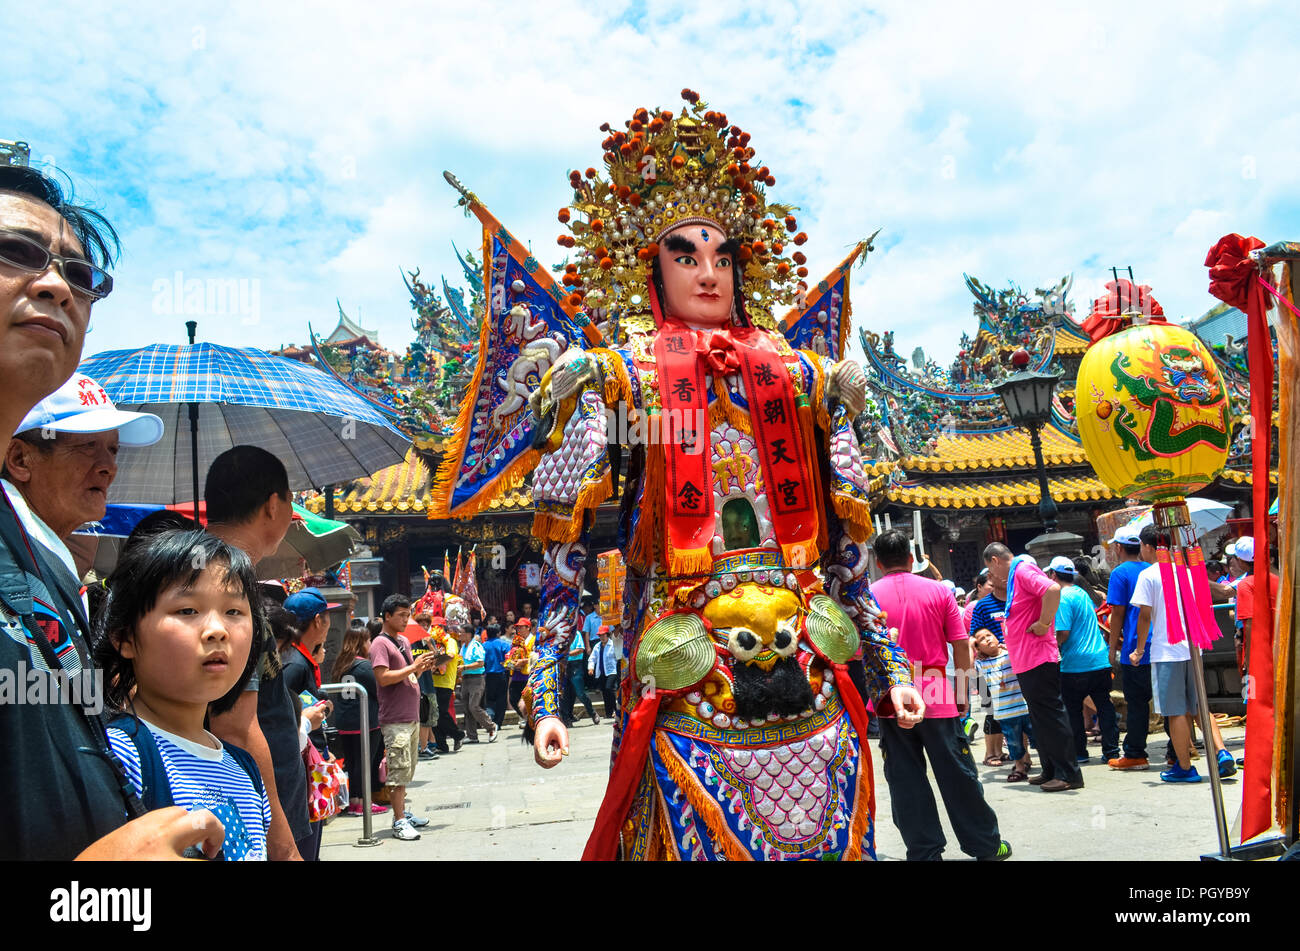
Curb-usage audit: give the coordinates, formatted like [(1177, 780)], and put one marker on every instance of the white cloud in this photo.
[(303, 147)]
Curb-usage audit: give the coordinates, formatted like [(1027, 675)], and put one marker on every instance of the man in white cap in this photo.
[(61, 461), (1085, 663), (1135, 679)]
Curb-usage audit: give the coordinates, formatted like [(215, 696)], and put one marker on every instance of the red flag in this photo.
[(1234, 279)]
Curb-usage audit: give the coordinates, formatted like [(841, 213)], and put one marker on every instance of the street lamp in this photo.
[(1027, 396)]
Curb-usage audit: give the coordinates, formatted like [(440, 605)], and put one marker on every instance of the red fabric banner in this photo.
[(624, 779), (1233, 279), (688, 482)]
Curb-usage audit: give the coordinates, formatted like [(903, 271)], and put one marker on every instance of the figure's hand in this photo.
[(849, 383), (160, 835), (909, 708), (550, 742), (569, 371)]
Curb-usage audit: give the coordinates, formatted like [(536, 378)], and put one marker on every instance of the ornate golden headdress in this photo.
[(663, 172)]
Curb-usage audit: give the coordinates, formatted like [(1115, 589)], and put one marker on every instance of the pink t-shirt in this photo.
[(926, 615), (399, 702), (966, 613), (1029, 650)]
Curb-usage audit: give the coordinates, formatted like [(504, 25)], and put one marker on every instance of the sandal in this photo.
[(1017, 775), (994, 760)]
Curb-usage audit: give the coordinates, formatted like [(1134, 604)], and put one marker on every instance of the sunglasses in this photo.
[(22, 252)]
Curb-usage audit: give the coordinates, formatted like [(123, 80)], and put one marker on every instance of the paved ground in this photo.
[(491, 801)]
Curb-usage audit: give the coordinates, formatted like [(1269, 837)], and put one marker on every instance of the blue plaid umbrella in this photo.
[(322, 431)]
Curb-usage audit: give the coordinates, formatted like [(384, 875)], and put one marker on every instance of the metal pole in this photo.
[(351, 688), (1211, 759), (191, 327), (1047, 509)]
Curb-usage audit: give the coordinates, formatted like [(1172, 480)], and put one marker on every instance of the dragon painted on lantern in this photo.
[(744, 516)]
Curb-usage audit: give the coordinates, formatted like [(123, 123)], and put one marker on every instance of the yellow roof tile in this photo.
[(404, 489), (1069, 342), (996, 494), (1007, 449)]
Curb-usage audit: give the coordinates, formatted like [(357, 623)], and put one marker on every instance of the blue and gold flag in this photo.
[(821, 322), (529, 323)]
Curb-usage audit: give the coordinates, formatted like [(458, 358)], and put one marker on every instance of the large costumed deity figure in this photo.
[(744, 514)]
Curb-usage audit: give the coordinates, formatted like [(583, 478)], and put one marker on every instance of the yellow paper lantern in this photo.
[(1153, 412)]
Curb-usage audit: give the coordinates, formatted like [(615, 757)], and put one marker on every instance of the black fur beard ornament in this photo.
[(784, 690)]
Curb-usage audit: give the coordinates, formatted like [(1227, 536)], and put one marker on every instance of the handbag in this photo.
[(325, 782)]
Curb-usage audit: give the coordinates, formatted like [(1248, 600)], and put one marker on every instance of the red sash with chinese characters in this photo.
[(683, 356)]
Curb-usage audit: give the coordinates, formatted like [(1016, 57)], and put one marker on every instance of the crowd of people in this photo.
[(212, 701)]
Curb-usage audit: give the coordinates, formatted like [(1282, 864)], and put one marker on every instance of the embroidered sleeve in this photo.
[(563, 570), (573, 476)]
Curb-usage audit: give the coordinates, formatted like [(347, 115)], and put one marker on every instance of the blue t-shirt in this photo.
[(472, 653), (1085, 647), (990, 611), (1120, 593), (494, 651), (205, 778)]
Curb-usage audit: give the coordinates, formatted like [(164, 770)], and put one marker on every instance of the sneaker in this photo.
[(375, 809), (1177, 775), (418, 821), (427, 753), (1127, 762), (1001, 855), (1080, 760), (492, 734), (456, 748), (1227, 765), (402, 829)]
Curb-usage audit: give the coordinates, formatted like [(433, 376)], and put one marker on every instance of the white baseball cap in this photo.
[(1127, 535), (1061, 565), (1243, 548), (82, 406)]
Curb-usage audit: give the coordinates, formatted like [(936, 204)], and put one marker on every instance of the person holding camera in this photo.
[(396, 673)]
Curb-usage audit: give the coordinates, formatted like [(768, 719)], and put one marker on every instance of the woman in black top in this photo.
[(352, 664)]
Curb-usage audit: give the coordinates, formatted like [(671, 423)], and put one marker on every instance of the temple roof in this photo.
[(349, 329), (404, 489), (989, 494), (1009, 448)]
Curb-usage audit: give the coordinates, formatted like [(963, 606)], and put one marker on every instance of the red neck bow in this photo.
[(720, 352)]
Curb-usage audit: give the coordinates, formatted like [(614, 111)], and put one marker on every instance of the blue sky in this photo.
[(289, 155)]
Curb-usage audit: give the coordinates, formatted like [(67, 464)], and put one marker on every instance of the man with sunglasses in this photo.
[(63, 796)]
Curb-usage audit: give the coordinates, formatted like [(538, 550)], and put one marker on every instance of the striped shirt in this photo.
[(1008, 701), (205, 778)]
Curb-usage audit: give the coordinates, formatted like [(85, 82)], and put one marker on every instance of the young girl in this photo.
[(181, 628)]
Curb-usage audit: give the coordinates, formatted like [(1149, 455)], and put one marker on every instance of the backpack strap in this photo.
[(157, 790)]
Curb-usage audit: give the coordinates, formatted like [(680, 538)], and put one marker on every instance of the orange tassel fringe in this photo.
[(704, 805)]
